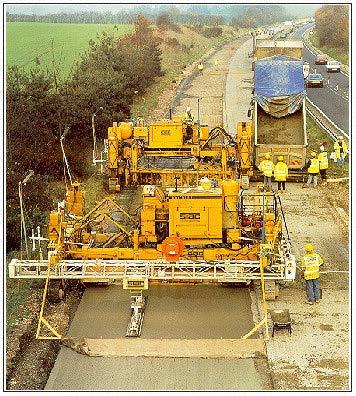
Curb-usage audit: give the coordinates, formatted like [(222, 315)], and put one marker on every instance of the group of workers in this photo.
[(317, 164), (279, 171)]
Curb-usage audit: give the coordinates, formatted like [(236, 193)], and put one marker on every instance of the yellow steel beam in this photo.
[(42, 320)]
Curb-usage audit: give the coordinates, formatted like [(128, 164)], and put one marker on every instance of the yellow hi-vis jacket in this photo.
[(266, 166), (314, 166), (281, 171), (337, 148), (323, 160), (310, 264)]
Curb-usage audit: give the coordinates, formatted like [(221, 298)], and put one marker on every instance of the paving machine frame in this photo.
[(201, 234), (176, 151)]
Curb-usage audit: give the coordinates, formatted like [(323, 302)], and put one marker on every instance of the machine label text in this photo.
[(189, 216)]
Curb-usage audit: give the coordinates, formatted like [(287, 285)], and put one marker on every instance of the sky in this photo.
[(41, 9)]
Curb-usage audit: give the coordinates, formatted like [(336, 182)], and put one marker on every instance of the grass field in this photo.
[(29, 44)]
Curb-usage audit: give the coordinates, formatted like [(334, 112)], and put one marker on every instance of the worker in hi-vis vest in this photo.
[(323, 163), (188, 115), (313, 169), (281, 174), (310, 265), (341, 150), (266, 166)]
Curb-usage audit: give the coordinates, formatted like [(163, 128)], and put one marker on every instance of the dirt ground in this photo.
[(208, 86), (28, 361), (316, 355)]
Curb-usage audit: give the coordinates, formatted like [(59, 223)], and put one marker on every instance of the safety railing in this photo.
[(219, 271)]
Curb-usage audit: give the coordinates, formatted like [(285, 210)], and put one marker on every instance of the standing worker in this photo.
[(188, 115), (281, 174), (310, 265), (323, 163), (266, 167), (200, 67), (341, 150), (313, 170)]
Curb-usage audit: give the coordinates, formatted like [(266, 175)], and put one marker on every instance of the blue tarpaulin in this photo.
[(279, 85)]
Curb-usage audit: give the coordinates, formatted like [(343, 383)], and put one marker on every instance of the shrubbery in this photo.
[(215, 31), (39, 107)]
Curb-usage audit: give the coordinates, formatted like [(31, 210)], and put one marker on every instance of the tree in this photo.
[(335, 33), (163, 21)]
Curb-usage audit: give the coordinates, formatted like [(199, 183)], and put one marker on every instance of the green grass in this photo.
[(29, 44), (340, 54)]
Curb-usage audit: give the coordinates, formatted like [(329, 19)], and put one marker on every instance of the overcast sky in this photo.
[(40, 9)]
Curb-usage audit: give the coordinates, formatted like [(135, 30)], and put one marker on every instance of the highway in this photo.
[(333, 98)]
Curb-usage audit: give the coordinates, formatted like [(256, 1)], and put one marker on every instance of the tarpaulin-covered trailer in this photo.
[(279, 120)]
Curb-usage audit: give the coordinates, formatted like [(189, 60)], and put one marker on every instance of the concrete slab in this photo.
[(238, 90), (169, 347), (73, 371), (190, 312), (195, 311)]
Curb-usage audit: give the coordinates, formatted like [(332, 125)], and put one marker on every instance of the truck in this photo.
[(265, 48), (278, 110)]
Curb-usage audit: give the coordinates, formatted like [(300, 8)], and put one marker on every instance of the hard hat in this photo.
[(313, 154), (341, 137), (309, 247), (267, 155), (188, 109), (322, 148), (280, 158)]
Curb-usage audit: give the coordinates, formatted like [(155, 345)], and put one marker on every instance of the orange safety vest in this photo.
[(281, 171), (311, 263), (314, 166), (323, 160), (267, 166)]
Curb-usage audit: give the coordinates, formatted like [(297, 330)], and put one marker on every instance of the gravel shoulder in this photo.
[(316, 355)]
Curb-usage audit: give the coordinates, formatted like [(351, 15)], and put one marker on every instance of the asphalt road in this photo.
[(333, 98)]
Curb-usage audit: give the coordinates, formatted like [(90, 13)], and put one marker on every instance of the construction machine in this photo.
[(208, 233), (168, 152)]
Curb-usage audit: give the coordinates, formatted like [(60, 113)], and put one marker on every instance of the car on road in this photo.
[(315, 80), (333, 66), (321, 59)]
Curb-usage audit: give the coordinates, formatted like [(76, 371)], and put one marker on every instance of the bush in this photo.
[(164, 22), (215, 31), (39, 107)]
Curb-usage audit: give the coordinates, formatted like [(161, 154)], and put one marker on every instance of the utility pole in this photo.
[(97, 112), (23, 223)]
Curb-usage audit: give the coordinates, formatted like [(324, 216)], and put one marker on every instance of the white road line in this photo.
[(328, 119)]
